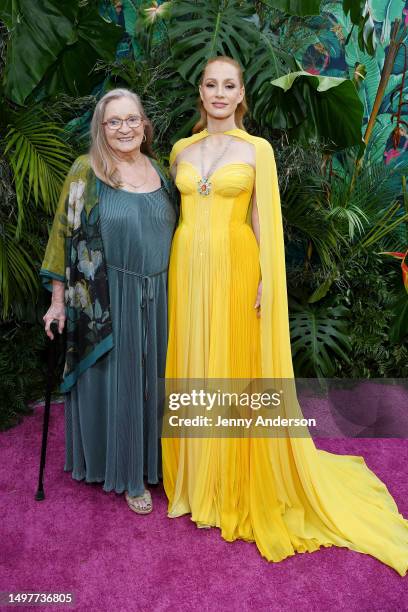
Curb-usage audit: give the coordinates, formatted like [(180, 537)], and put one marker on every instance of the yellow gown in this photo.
[(282, 493)]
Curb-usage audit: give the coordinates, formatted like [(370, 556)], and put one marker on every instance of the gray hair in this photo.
[(103, 159)]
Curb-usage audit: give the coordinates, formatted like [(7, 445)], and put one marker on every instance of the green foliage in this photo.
[(6, 12), (54, 45), (296, 7), (205, 28), (364, 15), (361, 17), (39, 157), (334, 232), (95, 39), (305, 212), (301, 104), (298, 102), (130, 10), (399, 320), (38, 34), (318, 333), (344, 299), (180, 106), (21, 373), (320, 207), (18, 279), (370, 289), (35, 162), (151, 26), (269, 62), (360, 217)]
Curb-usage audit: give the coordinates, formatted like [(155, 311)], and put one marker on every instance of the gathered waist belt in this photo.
[(147, 294), (136, 273)]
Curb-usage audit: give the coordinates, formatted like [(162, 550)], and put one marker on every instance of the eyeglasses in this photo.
[(133, 121)]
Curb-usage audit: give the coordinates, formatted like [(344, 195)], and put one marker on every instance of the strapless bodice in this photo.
[(228, 201)]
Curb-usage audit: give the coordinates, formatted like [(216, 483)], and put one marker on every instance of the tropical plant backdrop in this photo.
[(326, 83)]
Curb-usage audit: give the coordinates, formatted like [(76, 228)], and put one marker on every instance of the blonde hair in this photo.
[(103, 158), (242, 107)]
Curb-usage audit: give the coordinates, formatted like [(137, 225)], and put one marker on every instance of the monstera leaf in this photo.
[(318, 334), (296, 7), (202, 29), (268, 62), (312, 108), (56, 44)]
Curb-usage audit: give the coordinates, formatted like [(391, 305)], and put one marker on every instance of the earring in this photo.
[(144, 138)]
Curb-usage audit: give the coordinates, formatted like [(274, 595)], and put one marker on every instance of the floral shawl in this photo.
[(75, 255)]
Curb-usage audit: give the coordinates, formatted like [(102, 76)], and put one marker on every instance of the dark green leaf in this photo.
[(203, 29), (39, 32), (56, 46), (399, 326), (6, 13), (312, 108), (318, 334), (295, 7)]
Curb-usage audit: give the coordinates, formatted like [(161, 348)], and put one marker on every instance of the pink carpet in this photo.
[(85, 541)]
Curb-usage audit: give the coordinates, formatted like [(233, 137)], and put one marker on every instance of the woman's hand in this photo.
[(56, 311), (257, 304)]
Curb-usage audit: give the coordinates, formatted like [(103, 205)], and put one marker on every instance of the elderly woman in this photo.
[(106, 262)]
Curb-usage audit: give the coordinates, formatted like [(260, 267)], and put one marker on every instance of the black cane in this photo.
[(39, 496)]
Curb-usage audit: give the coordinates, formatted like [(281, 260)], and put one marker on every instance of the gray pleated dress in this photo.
[(111, 415)]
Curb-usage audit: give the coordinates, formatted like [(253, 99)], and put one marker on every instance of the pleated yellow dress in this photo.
[(282, 493)]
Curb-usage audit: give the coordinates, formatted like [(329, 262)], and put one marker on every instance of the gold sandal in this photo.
[(133, 502)]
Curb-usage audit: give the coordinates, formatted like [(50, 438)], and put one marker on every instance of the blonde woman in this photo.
[(106, 262)]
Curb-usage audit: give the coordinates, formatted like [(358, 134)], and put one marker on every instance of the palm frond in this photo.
[(303, 210), (39, 158), (17, 275)]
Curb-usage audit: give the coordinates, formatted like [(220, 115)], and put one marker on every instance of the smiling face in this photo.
[(221, 90), (125, 140)]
